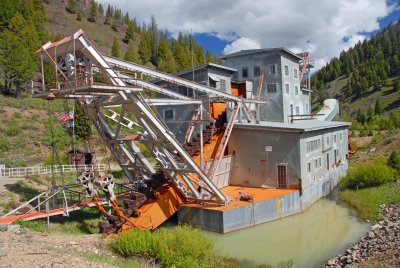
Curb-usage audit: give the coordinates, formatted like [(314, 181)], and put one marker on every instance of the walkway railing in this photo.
[(36, 170)]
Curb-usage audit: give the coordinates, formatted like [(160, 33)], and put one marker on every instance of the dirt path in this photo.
[(31, 249), (7, 181)]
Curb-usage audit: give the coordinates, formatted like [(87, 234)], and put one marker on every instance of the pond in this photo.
[(307, 239)]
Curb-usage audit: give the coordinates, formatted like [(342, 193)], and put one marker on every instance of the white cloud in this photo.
[(241, 44), (323, 27)]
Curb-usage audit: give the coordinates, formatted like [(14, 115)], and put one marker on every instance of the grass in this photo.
[(27, 102), (114, 261), (367, 201), (172, 247), (84, 221)]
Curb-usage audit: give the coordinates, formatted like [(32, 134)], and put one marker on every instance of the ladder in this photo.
[(192, 123), (260, 83), (224, 142)]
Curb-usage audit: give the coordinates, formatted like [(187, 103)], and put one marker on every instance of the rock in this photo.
[(376, 226), (371, 235), (332, 262), (3, 227), (13, 228)]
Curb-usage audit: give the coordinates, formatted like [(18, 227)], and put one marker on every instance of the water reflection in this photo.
[(309, 238)]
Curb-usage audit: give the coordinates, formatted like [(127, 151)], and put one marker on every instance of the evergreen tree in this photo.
[(130, 32), (144, 48), (115, 49), (378, 107), (131, 53), (93, 11), (16, 61), (165, 60), (209, 57), (79, 16), (126, 19), (396, 86), (107, 19), (101, 9), (82, 124), (72, 6)]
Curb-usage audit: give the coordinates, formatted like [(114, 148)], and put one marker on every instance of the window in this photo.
[(295, 73), (297, 110), (336, 155), (307, 108), (340, 136), (282, 175), (168, 114), (222, 85), (319, 162), (327, 161), (334, 138), (287, 88), (296, 90), (308, 167), (316, 163), (286, 70), (272, 69), (327, 140), (245, 72), (257, 71), (271, 88), (313, 145)]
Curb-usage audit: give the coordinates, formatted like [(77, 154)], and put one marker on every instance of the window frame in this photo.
[(286, 70), (273, 69), (272, 84), (167, 111), (245, 70), (258, 72)]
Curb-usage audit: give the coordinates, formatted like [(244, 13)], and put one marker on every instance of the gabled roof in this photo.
[(206, 66), (262, 50)]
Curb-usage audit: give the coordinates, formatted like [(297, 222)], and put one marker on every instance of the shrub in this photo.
[(171, 247), (4, 144), (62, 156), (394, 160), (12, 128), (377, 137), (368, 174), (362, 133)]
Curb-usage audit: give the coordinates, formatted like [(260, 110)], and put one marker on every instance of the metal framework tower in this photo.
[(122, 103)]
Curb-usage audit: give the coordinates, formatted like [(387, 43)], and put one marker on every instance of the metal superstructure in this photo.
[(78, 63)]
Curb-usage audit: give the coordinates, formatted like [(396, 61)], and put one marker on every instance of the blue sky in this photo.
[(322, 27)]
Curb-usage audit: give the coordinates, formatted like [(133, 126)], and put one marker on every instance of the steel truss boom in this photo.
[(171, 158)]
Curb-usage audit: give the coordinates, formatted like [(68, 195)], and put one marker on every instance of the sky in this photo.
[(322, 27)]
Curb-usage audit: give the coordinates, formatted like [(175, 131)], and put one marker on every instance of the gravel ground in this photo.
[(30, 249), (379, 248)]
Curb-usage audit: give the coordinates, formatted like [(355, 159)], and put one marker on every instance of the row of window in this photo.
[(272, 70), (317, 164), (314, 145), (295, 75), (287, 89)]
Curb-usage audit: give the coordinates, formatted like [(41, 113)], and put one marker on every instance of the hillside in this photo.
[(365, 78), (25, 124)]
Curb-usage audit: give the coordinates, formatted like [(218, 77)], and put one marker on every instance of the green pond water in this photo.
[(307, 239)]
